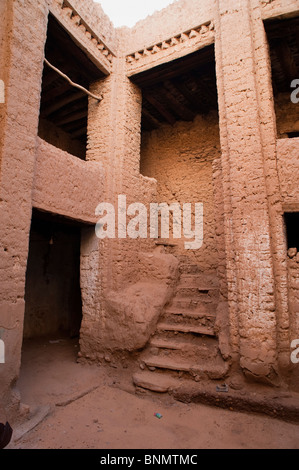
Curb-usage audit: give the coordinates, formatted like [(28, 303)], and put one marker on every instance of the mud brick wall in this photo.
[(23, 87), (180, 158), (288, 168), (244, 179)]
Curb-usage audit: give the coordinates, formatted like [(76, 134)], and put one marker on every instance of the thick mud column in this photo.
[(22, 52), (245, 116)]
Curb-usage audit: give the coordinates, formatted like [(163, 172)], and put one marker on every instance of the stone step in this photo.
[(205, 303), (213, 369), (203, 347), (190, 317), (187, 268), (156, 382), (189, 313), (198, 280), (191, 292), (179, 327)]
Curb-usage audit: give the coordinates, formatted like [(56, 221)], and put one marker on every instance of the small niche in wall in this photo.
[(292, 229)]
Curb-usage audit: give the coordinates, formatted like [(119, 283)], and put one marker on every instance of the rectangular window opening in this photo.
[(283, 43), (292, 229), (64, 108)]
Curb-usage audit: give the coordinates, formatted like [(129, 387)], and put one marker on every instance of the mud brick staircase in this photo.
[(185, 345)]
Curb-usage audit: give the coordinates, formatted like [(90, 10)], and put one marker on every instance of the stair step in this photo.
[(190, 291), (154, 381), (214, 369), (198, 280), (187, 303), (201, 330), (185, 312), (207, 349), (171, 344), (186, 268), (168, 363)]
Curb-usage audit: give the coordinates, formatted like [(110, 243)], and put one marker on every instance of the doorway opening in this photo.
[(292, 229), (53, 303)]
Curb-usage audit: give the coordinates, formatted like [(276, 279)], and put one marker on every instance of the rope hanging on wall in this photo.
[(95, 97)]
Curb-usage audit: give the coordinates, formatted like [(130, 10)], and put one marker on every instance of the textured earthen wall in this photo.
[(23, 85), (114, 140), (248, 155), (53, 135), (119, 278), (57, 181), (172, 20), (180, 158), (66, 185)]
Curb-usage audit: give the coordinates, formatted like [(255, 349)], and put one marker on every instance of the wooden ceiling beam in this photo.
[(195, 103), (76, 106), (204, 88), (180, 109), (62, 102), (160, 108), (55, 92), (203, 60), (71, 118), (152, 121), (75, 126), (79, 133)]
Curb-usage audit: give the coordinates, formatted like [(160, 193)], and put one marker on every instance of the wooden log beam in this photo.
[(71, 118), (152, 121), (62, 102), (183, 112), (159, 107)]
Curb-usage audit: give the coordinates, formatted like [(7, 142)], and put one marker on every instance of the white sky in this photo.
[(128, 12)]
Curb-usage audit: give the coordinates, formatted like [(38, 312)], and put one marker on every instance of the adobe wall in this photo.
[(124, 314), (23, 86), (180, 158), (288, 170), (180, 16), (121, 277), (32, 172), (256, 262), (129, 267)]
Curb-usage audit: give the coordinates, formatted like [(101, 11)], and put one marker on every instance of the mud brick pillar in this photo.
[(22, 51), (248, 160)]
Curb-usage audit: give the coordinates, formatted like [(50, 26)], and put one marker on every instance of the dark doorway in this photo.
[(53, 296), (292, 229)]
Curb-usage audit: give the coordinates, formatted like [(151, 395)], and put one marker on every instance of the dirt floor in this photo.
[(76, 406)]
